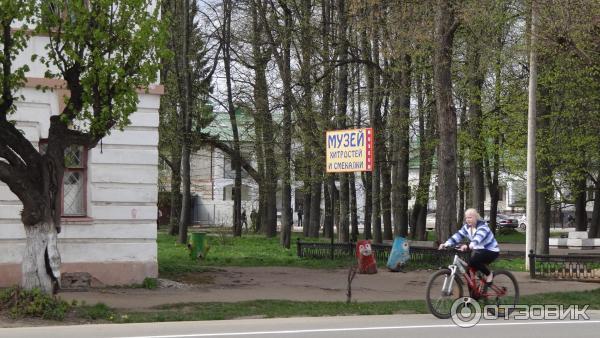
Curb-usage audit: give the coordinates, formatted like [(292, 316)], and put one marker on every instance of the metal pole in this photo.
[(531, 130)]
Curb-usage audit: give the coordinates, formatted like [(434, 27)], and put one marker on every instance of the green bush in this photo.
[(32, 303), (150, 283)]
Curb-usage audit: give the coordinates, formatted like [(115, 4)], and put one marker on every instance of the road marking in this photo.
[(376, 328)]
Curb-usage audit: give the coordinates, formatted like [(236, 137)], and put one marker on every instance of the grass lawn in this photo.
[(256, 250), (282, 308), (248, 250)]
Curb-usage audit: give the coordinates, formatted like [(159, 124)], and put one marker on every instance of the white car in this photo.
[(523, 222)]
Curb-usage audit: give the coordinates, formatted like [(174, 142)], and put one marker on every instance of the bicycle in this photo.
[(503, 291)]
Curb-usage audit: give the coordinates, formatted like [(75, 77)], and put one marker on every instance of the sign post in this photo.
[(349, 150)]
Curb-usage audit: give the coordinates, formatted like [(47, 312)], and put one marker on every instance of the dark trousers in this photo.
[(481, 258)]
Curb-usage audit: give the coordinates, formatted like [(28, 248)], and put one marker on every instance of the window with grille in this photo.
[(74, 188), (74, 181)]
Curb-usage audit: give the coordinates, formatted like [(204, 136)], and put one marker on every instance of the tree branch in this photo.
[(166, 160), (13, 138), (11, 156), (210, 140)]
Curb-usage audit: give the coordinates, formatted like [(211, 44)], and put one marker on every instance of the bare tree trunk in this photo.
[(445, 26), (287, 213), (237, 196), (175, 190), (544, 176), (386, 200), (353, 208), (342, 106), (580, 203), (492, 173), (401, 146), (594, 231), (367, 183), (185, 103), (427, 142), (544, 218), (460, 210), (41, 256), (476, 149), (261, 104), (315, 207)]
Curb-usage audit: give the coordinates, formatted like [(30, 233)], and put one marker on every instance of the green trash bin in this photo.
[(198, 245)]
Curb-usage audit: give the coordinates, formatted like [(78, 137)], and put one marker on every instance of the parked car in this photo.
[(523, 222), (503, 221)]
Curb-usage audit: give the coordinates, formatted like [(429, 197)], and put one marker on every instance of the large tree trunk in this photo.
[(342, 105), (544, 218), (353, 209), (368, 185), (261, 104), (286, 195), (186, 110), (594, 231), (41, 259), (235, 159), (445, 25), (476, 143), (581, 203), (492, 172), (400, 149), (315, 207), (328, 221), (544, 178), (427, 142), (184, 216), (175, 190), (386, 200), (460, 210)]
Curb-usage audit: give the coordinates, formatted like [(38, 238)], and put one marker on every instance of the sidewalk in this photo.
[(296, 284)]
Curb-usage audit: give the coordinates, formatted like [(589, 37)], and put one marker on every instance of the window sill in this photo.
[(77, 220)]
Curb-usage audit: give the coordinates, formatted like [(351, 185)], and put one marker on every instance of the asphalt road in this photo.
[(421, 326)]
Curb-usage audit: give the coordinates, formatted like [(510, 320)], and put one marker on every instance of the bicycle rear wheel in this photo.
[(504, 293), (438, 303)]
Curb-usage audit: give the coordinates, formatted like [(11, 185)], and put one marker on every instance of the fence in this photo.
[(419, 255), (580, 267)]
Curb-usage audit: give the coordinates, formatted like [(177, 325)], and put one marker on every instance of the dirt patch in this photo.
[(297, 284)]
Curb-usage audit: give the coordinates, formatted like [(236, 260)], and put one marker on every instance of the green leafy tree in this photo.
[(104, 51)]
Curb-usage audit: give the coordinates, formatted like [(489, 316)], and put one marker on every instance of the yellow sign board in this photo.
[(349, 150)]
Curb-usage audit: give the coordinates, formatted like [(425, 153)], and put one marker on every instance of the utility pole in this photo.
[(531, 130)]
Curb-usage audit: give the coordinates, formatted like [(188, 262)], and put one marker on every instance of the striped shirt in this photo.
[(481, 238)]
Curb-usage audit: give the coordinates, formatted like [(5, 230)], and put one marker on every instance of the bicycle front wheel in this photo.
[(504, 292), (439, 302)]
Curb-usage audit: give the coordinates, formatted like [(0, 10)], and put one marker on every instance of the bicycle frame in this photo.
[(459, 267)]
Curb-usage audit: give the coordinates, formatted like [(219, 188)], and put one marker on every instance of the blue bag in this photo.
[(400, 254)]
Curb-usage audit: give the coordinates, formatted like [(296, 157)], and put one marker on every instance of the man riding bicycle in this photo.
[(482, 242)]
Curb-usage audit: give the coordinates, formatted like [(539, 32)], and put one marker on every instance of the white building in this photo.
[(109, 192)]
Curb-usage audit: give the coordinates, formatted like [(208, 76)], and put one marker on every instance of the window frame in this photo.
[(84, 170)]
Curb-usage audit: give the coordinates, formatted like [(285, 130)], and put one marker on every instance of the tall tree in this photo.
[(105, 55), (226, 37), (261, 57), (445, 26)]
